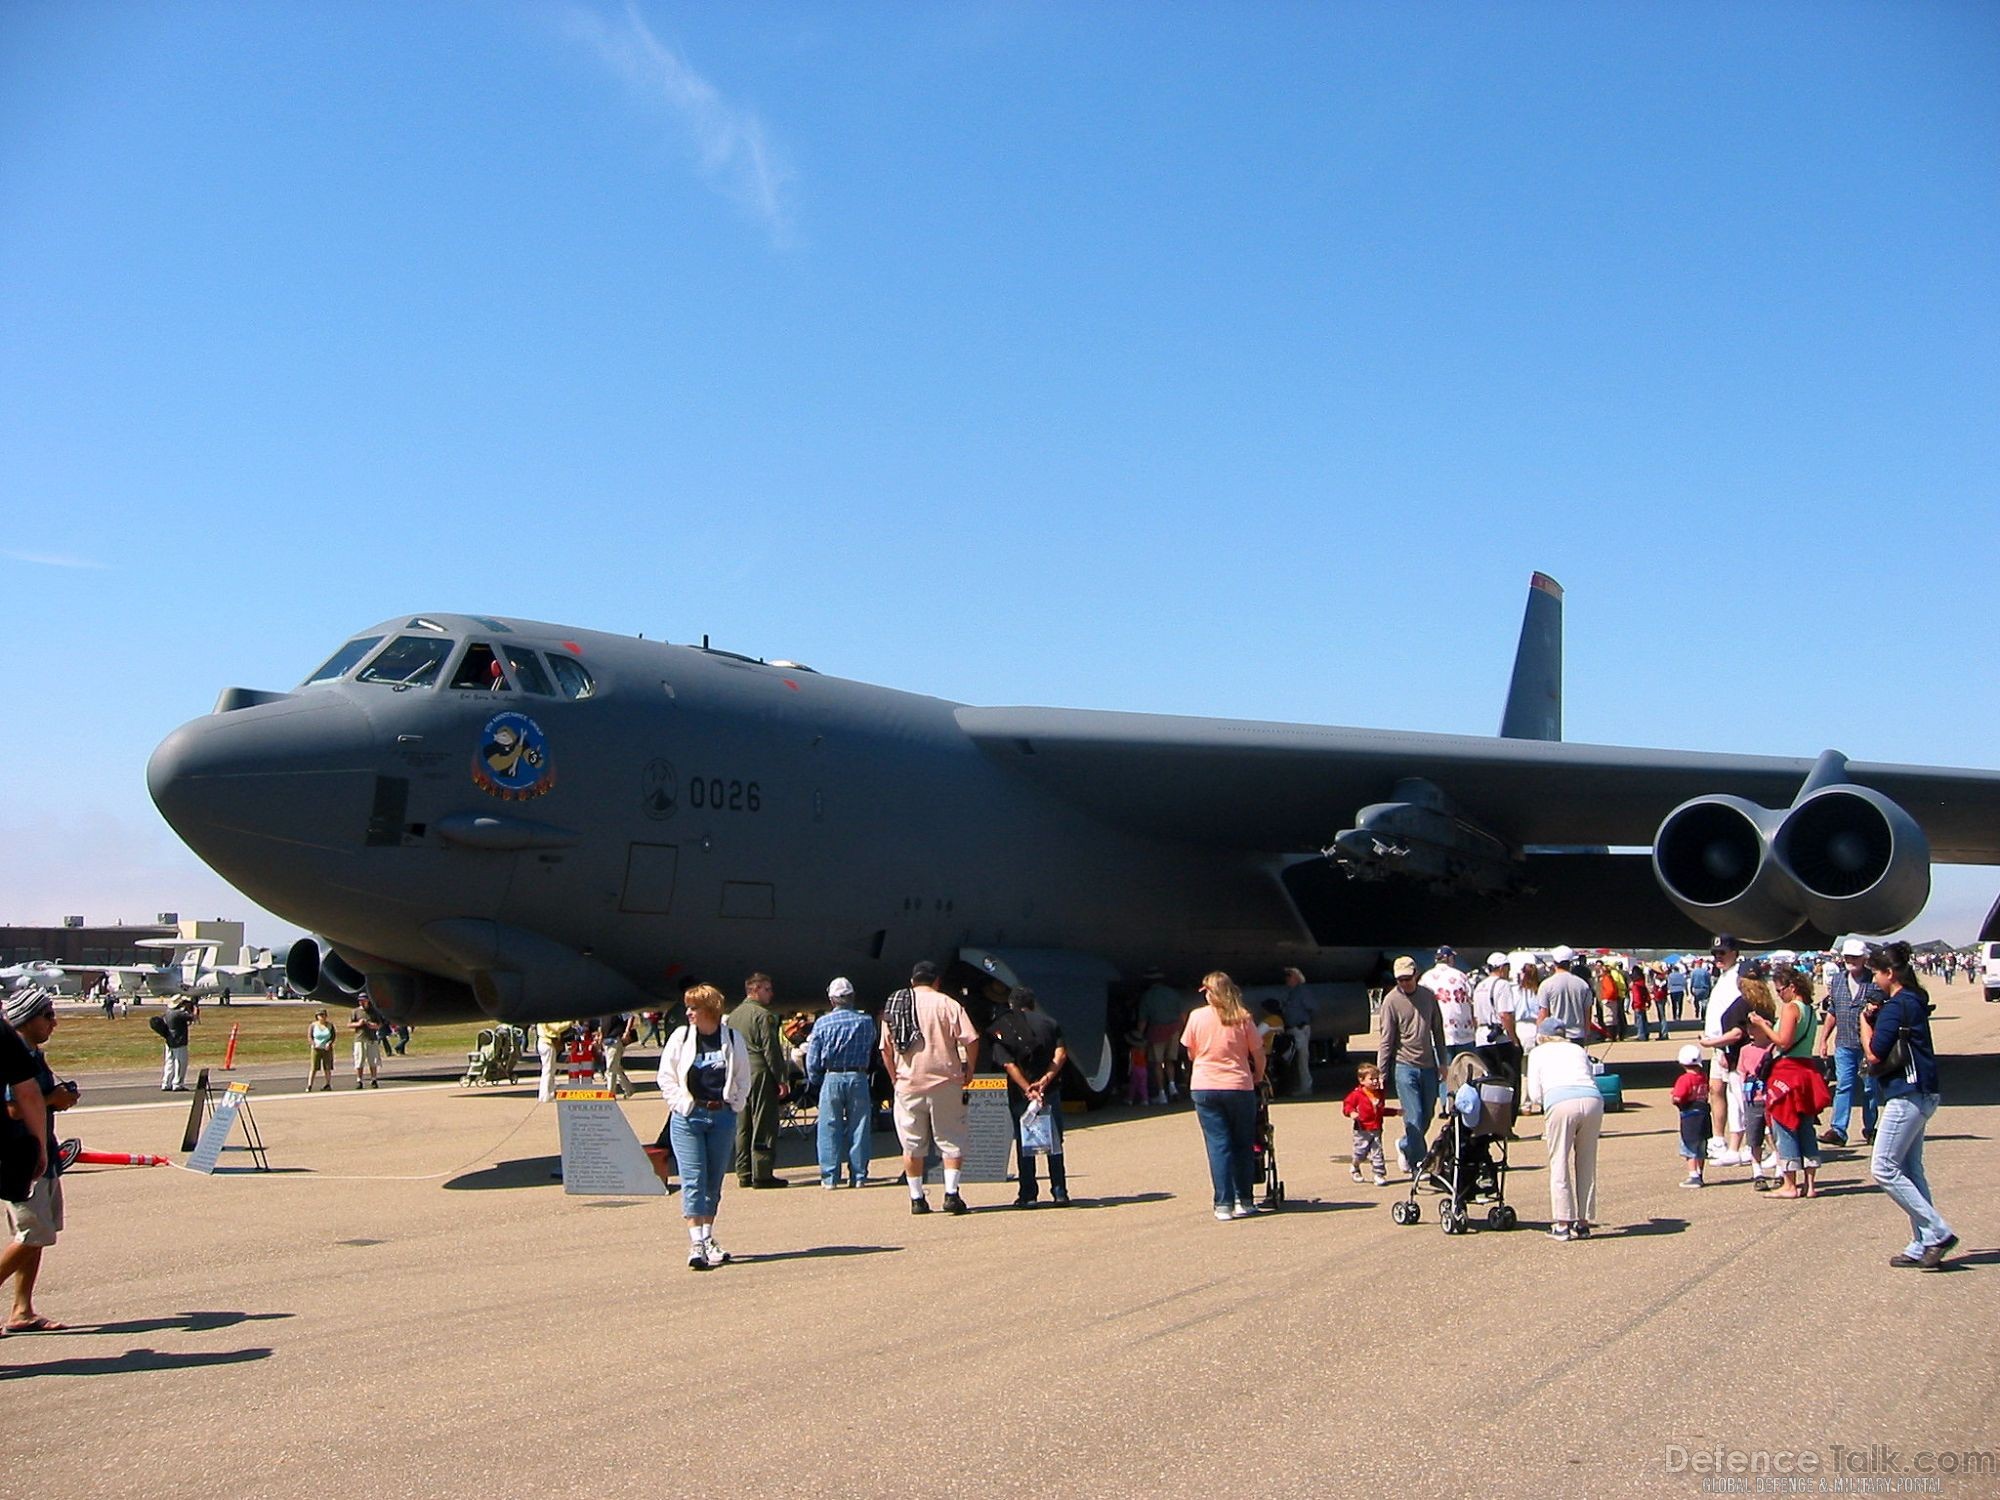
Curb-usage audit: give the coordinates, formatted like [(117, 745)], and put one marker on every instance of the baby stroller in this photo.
[(1469, 1162), (1264, 1149), (494, 1059)]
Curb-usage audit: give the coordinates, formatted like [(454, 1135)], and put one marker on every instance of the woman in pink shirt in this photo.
[(1228, 1058)]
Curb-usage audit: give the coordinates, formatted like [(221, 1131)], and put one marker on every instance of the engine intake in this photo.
[(1842, 857)]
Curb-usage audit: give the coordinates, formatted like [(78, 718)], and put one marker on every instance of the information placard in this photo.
[(601, 1157), (989, 1131), (215, 1135)]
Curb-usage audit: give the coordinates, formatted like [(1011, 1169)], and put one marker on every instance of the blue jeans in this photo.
[(1651, 1013), (1898, 1165), (846, 1114), (704, 1142), (1229, 1129), (1417, 1092), (1796, 1148), (1847, 1071)]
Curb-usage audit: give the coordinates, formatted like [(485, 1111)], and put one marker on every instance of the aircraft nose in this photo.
[(296, 772)]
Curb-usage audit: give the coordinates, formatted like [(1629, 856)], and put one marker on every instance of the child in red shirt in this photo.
[(1691, 1099), (1365, 1107)]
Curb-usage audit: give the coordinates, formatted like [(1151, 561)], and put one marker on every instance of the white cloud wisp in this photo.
[(732, 151)]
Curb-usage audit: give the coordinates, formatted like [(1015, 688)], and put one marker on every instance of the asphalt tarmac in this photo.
[(407, 1305)]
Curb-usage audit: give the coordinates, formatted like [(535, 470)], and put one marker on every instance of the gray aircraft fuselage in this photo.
[(697, 815)]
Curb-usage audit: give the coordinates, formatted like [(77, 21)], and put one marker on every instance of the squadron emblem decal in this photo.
[(513, 761), (659, 790)]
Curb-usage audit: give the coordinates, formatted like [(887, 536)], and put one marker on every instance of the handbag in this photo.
[(1895, 1062), (1038, 1131)]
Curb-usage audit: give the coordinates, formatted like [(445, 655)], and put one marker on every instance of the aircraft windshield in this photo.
[(527, 669), (410, 661), (572, 680), (343, 660)]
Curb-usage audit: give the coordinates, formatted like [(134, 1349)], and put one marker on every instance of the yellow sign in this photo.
[(988, 1083), (573, 1093)]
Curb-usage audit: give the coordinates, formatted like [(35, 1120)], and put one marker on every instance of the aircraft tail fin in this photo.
[(1534, 698)]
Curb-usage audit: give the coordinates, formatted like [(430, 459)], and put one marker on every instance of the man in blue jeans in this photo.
[(839, 1054), (1411, 1052), (1846, 994)]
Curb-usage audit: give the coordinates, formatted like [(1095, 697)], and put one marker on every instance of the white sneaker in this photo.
[(1244, 1210), (1355, 1173), (715, 1254), (1222, 1214)]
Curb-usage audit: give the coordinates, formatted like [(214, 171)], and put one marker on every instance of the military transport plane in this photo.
[(497, 817)]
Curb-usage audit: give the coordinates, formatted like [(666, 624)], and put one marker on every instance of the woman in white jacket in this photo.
[(705, 1075)]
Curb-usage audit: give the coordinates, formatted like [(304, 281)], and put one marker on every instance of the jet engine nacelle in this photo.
[(316, 974), (1842, 857)]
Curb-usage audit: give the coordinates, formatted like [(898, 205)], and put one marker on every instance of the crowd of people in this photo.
[(1779, 1046), (1774, 1050)]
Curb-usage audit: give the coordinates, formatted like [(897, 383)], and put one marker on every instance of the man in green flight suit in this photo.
[(757, 1124)]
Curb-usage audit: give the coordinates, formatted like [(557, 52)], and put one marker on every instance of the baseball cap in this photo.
[(1725, 942), (1405, 966), (1854, 948), (1498, 961), (840, 989), (1550, 1026), (24, 1005), (1445, 950), (1563, 954), (1689, 1055)]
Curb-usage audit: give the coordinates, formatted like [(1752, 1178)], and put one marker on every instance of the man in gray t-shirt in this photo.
[(1411, 1056), (1567, 996)]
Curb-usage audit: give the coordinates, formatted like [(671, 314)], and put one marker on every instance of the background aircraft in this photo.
[(36, 973), (498, 817)]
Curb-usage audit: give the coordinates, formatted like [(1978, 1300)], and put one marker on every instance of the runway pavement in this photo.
[(408, 1305)]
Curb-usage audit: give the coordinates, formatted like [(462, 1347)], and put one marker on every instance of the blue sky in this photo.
[(1238, 360)]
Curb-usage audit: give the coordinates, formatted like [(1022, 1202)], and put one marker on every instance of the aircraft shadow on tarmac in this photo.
[(522, 1172), (816, 1252), (1639, 1231), (1119, 1200), (188, 1322), (132, 1361)]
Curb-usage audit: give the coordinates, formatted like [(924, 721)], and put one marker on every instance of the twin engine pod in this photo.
[(401, 994), (1842, 857)]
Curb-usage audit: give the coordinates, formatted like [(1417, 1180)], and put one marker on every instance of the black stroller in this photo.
[(1264, 1149), (1468, 1164)]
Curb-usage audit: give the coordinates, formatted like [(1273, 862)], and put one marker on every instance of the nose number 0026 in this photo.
[(725, 796)]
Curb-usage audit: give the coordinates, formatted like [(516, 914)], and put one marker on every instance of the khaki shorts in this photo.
[(935, 1116), (367, 1054), (38, 1218)]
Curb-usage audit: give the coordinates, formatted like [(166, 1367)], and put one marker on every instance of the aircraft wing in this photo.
[(1251, 785)]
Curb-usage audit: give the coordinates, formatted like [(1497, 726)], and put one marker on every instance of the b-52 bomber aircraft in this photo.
[(497, 817)]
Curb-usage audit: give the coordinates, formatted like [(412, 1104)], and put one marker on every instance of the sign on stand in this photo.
[(989, 1131), (601, 1157), (234, 1104)]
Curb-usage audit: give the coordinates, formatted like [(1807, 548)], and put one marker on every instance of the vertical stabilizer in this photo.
[(1535, 697)]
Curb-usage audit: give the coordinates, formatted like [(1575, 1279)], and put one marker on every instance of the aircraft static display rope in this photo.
[(420, 1177)]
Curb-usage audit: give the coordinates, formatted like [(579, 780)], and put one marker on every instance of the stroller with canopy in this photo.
[(1468, 1164)]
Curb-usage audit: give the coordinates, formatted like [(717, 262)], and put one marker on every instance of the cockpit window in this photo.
[(480, 671), (527, 669), (343, 660), (409, 661), (572, 680)]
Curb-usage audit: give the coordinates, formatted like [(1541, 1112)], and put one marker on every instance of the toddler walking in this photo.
[(1365, 1107)]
